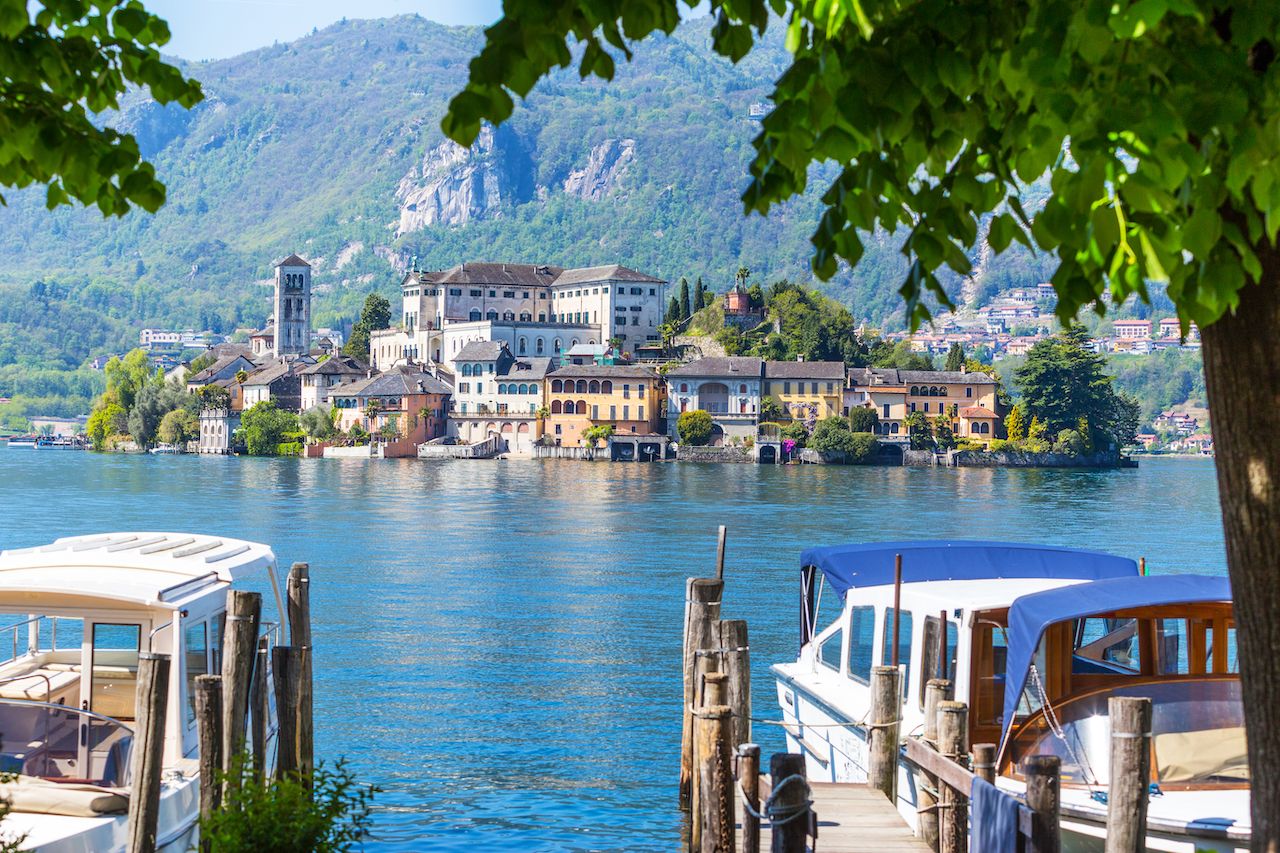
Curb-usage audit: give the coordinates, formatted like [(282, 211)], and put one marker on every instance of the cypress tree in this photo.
[(673, 310), (685, 313), (955, 357)]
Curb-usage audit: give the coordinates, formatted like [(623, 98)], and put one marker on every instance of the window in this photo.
[(1112, 644), (477, 293), (525, 317), (968, 392), (524, 343), (114, 665), (511, 294), (491, 316), (556, 408), (862, 635), (474, 316), (455, 291), (904, 643), (556, 386), (926, 408), (538, 346), (813, 387), (640, 413), (653, 291), (613, 413), (640, 390), (684, 387), (524, 294), (929, 667), (493, 293), (195, 643), (626, 412), (595, 412), (886, 412)]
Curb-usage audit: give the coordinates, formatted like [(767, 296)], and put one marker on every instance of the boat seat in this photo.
[(45, 684), (28, 794), (1200, 755)]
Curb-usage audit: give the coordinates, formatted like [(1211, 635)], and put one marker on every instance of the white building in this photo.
[(217, 426), (726, 388), (497, 393)]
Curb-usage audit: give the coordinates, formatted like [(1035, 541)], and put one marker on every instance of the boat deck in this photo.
[(852, 819)]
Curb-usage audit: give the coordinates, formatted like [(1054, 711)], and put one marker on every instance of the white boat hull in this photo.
[(835, 750)]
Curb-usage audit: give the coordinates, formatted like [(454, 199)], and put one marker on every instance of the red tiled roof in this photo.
[(976, 412)]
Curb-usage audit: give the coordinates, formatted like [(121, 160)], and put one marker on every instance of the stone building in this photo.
[(292, 308)]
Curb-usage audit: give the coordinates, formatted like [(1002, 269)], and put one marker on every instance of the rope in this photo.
[(1056, 727), (772, 811)]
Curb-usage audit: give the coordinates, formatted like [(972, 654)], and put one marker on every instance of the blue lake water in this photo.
[(498, 643)]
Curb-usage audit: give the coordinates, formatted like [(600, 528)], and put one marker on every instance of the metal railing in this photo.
[(33, 635)]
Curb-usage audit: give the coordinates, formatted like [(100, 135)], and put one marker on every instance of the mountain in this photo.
[(330, 147)]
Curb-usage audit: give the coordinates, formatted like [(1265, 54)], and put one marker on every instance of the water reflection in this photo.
[(498, 642)]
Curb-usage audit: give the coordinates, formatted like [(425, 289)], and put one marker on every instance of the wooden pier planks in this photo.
[(852, 819)]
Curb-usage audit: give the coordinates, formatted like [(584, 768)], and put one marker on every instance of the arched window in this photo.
[(894, 429), (742, 389), (606, 387), (575, 343), (555, 407), (557, 349), (582, 386), (594, 387), (915, 390), (526, 317), (582, 407), (592, 342), (942, 392), (466, 370), (524, 346), (491, 316), (986, 429), (556, 386), (568, 407), (538, 347), (684, 387), (524, 389), (504, 388), (474, 315)]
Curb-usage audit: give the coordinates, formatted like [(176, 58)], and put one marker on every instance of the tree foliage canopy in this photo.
[(263, 427), (937, 113), (694, 427), (1064, 385), (64, 63), (375, 315)]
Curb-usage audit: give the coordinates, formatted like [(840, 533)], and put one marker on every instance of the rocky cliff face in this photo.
[(605, 167), (454, 185)]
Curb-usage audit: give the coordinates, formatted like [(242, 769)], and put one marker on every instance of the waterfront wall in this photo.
[(715, 454), (919, 458), (1023, 459), (556, 452)]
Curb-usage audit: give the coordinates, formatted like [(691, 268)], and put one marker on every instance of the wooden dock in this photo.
[(852, 819)]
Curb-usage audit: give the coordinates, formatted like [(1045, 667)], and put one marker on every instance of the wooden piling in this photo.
[(787, 800), (701, 608), (1130, 774), (298, 589), (715, 779), (239, 649), (259, 697), (152, 704), (209, 732), (710, 692), (1043, 789), (935, 690), (286, 670), (953, 742), (721, 536), (984, 761), (735, 663), (882, 738), (749, 782)]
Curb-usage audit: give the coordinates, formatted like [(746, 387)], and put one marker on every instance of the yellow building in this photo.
[(808, 390), (968, 399), (580, 396)]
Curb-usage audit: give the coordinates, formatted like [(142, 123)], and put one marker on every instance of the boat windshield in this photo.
[(63, 744), (1197, 732)]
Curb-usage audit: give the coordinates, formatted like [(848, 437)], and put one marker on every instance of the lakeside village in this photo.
[(494, 359)]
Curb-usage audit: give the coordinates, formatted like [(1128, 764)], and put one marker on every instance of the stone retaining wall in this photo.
[(715, 454), (1023, 459)]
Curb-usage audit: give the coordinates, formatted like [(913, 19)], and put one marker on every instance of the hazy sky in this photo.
[(212, 29)]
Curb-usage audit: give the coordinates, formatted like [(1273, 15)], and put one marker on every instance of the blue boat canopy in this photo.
[(872, 564), (1030, 615)]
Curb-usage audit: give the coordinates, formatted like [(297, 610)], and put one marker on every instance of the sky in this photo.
[(215, 29)]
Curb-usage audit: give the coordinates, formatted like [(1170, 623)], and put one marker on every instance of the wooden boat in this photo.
[(81, 610), (1037, 639)]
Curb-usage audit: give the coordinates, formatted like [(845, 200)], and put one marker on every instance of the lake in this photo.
[(498, 643)]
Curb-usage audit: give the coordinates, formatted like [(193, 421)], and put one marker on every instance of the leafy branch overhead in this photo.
[(62, 64), (1156, 120)]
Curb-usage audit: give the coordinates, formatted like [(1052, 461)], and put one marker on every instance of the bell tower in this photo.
[(292, 307)]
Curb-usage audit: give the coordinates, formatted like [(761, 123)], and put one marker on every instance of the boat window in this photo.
[(829, 652), (1106, 646), (115, 669), (904, 644), (990, 653), (929, 669), (862, 637), (196, 648), (830, 610), (217, 624)]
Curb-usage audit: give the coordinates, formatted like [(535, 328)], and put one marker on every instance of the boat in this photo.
[(165, 449), (25, 442), (82, 608), (1035, 639), (58, 442)]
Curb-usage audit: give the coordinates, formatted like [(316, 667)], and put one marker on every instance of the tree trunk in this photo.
[(1242, 374)]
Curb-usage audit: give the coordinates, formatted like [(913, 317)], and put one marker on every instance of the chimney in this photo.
[(799, 356)]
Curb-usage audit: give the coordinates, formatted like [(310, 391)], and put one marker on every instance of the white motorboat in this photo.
[(1036, 640), (82, 609)]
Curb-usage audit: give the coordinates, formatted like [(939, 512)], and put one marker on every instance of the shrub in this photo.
[(796, 432), (831, 434), (284, 816), (863, 449), (289, 448), (863, 419), (694, 428), (970, 444), (1001, 444), (1070, 441)]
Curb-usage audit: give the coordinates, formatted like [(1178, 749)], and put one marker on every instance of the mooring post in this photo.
[(286, 670), (882, 740), (984, 761), (701, 608), (239, 645), (209, 732), (935, 690), (258, 710), (299, 592), (710, 692), (1043, 788), (720, 540), (1130, 774), (715, 779), (749, 782), (735, 663), (788, 798), (144, 799), (953, 743)]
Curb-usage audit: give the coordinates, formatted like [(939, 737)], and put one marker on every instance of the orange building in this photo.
[(580, 396)]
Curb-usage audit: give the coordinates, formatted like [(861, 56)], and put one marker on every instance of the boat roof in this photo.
[(1030, 615), (872, 564), (950, 595), (146, 569)]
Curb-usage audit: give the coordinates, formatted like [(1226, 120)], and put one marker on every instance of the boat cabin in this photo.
[(78, 612)]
